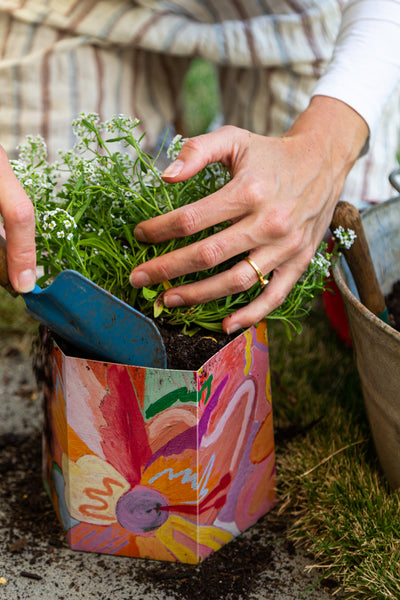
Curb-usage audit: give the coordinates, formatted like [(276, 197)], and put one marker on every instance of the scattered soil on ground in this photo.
[(29, 517), (229, 574)]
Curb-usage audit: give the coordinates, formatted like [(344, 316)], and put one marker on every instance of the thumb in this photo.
[(19, 225), (201, 150)]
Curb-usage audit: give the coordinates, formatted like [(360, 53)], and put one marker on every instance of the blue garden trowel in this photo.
[(92, 319)]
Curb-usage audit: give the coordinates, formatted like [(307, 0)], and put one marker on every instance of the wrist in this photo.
[(336, 128)]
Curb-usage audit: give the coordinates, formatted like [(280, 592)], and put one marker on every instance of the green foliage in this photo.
[(16, 327), (88, 203), (201, 97)]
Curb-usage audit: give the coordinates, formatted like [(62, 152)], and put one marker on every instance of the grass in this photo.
[(17, 328), (330, 483)]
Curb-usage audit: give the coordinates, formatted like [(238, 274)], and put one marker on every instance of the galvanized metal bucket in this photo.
[(377, 344)]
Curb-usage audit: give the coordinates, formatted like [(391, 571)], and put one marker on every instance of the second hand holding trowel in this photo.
[(91, 318)]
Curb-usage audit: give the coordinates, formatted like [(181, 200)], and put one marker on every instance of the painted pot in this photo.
[(158, 463)]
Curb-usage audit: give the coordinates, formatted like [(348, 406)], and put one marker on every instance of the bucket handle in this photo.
[(359, 259), (393, 179)]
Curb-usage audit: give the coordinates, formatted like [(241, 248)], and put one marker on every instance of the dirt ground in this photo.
[(36, 562)]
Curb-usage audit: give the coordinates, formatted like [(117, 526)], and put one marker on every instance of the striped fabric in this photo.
[(61, 57)]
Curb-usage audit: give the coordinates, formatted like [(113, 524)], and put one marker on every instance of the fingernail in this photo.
[(173, 169), (232, 328), (173, 300), (139, 234), (26, 281), (139, 279)]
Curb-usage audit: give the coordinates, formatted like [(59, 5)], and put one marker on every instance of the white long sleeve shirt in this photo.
[(365, 67)]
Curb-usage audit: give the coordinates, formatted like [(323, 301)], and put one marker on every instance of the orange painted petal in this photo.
[(263, 444), (76, 446)]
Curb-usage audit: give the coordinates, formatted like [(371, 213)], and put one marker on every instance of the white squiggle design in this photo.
[(188, 476), (247, 387)]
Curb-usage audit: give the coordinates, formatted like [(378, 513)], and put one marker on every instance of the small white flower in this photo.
[(175, 146), (321, 264), (345, 237)]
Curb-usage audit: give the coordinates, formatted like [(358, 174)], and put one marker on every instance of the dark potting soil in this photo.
[(191, 352), (393, 305), (184, 352)]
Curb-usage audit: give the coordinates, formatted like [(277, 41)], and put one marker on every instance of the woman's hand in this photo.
[(280, 202), (19, 225)]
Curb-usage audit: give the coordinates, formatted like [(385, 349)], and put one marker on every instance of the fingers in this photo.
[(19, 224), (279, 286), (200, 256), (223, 205), (195, 154), (199, 151), (239, 278), (204, 255)]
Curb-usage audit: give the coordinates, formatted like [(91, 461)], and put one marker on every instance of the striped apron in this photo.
[(62, 57)]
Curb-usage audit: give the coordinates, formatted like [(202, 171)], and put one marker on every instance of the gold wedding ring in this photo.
[(262, 279)]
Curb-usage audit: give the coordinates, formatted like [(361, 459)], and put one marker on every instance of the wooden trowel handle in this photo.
[(4, 279), (359, 259)]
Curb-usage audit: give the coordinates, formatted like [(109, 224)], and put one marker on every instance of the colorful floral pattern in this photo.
[(162, 464)]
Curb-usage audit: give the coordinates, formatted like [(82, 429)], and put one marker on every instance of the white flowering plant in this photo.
[(345, 237), (87, 205)]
